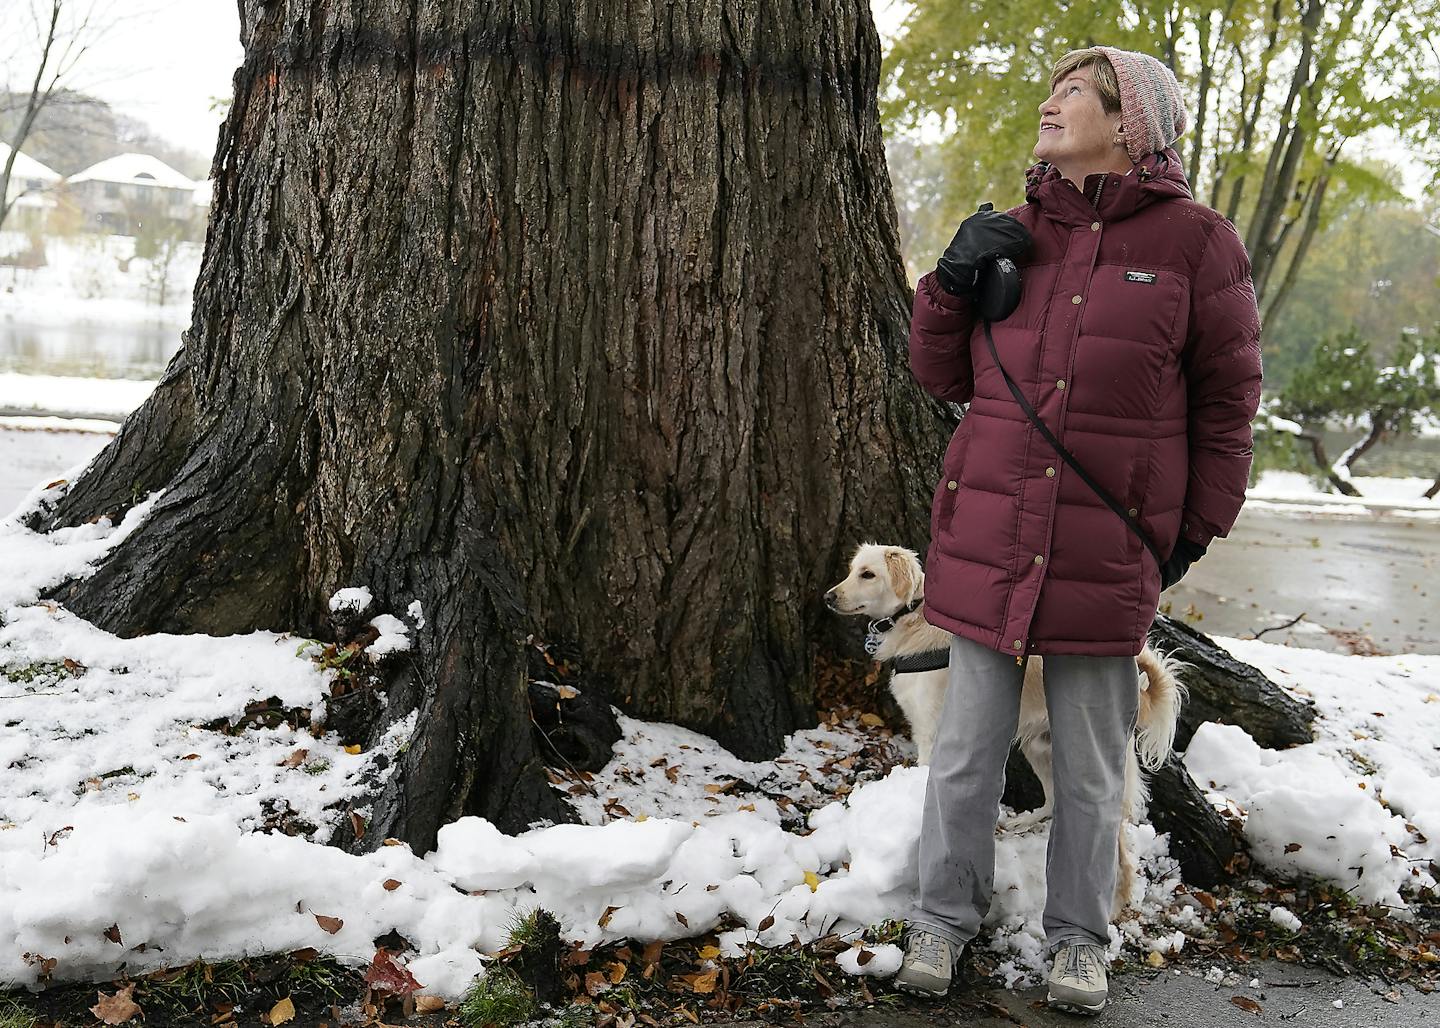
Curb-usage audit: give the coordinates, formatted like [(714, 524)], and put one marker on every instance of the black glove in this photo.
[(985, 235), (1174, 568)]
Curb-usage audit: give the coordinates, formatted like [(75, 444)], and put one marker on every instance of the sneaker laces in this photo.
[(927, 948), (1075, 967)]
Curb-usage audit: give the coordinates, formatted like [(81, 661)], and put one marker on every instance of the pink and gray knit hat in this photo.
[(1151, 108)]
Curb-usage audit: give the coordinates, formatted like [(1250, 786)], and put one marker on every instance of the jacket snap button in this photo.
[(952, 484), (1039, 559), (1060, 384), (1017, 644), (1049, 472), (1075, 298), (1133, 512), (1094, 226)]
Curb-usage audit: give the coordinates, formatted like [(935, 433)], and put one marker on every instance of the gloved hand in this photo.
[(985, 235), (1179, 561)]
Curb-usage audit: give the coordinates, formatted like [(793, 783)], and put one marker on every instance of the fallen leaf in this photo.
[(864, 957), (595, 983), (812, 880), (357, 824), (352, 750), (113, 933), (1246, 1003), (330, 925), (873, 720), (191, 756), (708, 952), (767, 921), (567, 692), (1155, 960), (716, 788), (390, 885), (116, 1009), (1291, 847), (294, 760), (605, 917), (282, 1011), (615, 971), (385, 975), (682, 919), (429, 1004), (704, 984)]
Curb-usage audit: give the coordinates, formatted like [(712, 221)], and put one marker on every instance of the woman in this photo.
[(1136, 341)]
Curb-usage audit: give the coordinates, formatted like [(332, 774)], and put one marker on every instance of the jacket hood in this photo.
[(1156, 176)]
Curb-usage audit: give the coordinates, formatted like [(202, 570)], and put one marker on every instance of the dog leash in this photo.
[(1068, 457)]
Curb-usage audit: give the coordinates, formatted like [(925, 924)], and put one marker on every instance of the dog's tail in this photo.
[(1162, 694)]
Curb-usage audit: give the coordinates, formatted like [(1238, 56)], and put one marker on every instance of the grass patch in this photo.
[(14, 1013), (499, 998)]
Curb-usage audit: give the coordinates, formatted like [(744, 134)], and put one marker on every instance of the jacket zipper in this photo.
[(1096, 203)]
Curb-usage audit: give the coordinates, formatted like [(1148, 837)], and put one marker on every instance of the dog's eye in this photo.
[(867, 574)]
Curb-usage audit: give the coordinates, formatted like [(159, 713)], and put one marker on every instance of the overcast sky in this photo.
[(165, 61)]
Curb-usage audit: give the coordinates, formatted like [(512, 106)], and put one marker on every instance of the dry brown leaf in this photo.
[(684, 921), (1246, 1003), (864, 957), (282, 1011), (605, 917), (615, 971), (873, 720), (330, 925), (768, 921), (595, 983), (357, 824), (428, 1004), (1291, 847), (704, 984), (295, 759), (567, 692), (113, 933), (116, 1009), (390, 885)]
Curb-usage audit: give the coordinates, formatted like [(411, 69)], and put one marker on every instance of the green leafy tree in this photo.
[(1342, 382), (1276, 92)]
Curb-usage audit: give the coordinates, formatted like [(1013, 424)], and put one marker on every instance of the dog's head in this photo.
[(882, 581)]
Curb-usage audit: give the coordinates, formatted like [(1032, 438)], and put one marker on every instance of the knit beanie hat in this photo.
[(1152, 111)]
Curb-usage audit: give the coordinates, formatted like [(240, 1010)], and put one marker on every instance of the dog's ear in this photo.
[(901, 565)]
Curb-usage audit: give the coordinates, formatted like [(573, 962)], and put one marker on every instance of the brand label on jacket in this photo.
[(1140, 276)]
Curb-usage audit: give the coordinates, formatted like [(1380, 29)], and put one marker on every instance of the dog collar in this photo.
[(875, 636), (930, 660)]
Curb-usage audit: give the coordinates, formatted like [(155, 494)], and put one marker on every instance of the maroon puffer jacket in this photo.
[(1137, 342)]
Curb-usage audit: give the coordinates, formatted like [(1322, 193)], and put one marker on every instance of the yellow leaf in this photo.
[(1155, 960), (353, 749), (642, 817), (704, 984), (812, 880), (708, 952), (282, 1011), (428, 1004), (873, 720)]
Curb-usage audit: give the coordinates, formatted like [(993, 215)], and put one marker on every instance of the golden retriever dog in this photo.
[(887, 584)]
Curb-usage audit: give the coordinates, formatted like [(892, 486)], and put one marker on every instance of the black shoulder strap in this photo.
[(1069, 458)]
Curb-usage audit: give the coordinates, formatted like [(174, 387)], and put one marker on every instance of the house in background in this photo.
[(120, 194), (31, 190)]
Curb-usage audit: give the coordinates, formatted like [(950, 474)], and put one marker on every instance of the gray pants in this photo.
[(1092, 704)]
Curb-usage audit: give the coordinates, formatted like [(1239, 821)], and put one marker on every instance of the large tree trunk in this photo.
[(576, 321)]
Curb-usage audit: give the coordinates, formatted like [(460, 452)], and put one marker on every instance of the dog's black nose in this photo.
[(830, 597)]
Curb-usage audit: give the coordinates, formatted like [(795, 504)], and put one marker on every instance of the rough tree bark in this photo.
[(580, 321)]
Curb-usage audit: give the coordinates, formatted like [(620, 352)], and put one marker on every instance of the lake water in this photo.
[(87, 349)]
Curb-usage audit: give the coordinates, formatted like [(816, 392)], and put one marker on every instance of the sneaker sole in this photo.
[(917, 990), (1072, 1007)]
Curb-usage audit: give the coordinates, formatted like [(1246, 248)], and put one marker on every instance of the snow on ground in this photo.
[(60, 394), (95, 278), (127, 801), (1296, 493)]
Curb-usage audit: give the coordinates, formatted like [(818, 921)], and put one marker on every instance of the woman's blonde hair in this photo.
[(1101, 69)]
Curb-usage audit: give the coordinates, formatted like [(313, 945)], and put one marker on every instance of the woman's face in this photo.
[(1074, 129)]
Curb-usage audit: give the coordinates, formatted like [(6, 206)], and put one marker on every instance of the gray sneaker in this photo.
[(929, 963), (1077, 980)]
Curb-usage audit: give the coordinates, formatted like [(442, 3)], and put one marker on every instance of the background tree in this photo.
[(574, 334), (1277, 93), (49, 39), (1343, 383)]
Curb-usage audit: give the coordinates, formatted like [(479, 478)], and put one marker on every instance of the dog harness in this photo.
[(930, 660)]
